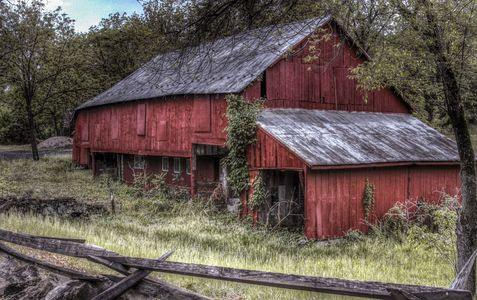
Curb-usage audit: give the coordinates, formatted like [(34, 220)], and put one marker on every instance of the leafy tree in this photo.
[(429, 50), (35, 49)]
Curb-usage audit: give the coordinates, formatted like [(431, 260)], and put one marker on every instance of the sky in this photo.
[(87, 13)]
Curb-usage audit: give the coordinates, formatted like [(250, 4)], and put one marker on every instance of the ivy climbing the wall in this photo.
[(368, 198), (259, 193), (241, 132)]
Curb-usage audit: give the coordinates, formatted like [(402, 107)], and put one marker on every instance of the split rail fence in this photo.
[(136, 270)]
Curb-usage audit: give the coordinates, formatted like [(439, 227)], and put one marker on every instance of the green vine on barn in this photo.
[(259, 193), (241, 133), (368, 198)]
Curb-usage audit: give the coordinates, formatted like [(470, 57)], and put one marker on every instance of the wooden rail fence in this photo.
[(144, 266)]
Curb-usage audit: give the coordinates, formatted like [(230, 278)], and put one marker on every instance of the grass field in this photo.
[(15, 147), (199, 234)]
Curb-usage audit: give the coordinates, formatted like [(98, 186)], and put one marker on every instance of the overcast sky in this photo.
[(87, 13)]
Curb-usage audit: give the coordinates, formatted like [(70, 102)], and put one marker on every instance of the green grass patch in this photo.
[(199, 234), (15, 147)]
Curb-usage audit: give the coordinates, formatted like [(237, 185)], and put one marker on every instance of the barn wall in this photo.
[(334, 198), (322, 83), (266, 153), (153, 165), (166, 126)]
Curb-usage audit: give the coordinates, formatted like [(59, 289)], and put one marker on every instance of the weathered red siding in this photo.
[(334, 198), (322, 83), (267, 153), (166, 126)]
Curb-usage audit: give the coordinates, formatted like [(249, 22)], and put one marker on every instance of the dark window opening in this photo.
[(263, 85), (139, 162), (187, 166), (177, 165), (165, 164)]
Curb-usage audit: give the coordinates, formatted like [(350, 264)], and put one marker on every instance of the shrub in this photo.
[(354, 236), (150, 186), (395, 220), (219, 197), (421, 217), (260, 193)]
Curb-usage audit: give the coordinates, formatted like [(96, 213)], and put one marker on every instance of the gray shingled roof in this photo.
[(327, 138), (223, 66)]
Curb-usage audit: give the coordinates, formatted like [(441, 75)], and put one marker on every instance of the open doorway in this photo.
[(207, 167), (285, 201), (106, 163)]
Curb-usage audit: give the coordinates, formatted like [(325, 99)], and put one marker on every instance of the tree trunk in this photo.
[(467, 225), (31, 127)]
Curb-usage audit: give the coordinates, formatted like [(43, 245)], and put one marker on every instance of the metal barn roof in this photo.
[(227, 65), (330, 138)]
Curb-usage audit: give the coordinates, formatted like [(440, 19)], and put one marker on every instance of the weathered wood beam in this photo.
[(110, 264), (48, 266), (402, 295), (160, 289), (306, 283), (61, 246), (80, 241), (126, 283), (461, 279), (164, 289)]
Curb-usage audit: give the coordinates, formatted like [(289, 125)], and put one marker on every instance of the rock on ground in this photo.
[(56, 142)]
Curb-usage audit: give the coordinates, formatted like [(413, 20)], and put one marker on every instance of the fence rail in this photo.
[(144, 266)]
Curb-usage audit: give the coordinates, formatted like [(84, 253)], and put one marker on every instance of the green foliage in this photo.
[(147, 227), (42, 76), (395, 221), (402, 57), (153, 186), (368, 198), (241, 133), (354, 236), (430, 218), (439, 235), (260, 193)]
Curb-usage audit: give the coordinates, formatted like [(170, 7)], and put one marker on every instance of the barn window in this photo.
[(165, 164), (177, 165), (139, 162), (187, 166)]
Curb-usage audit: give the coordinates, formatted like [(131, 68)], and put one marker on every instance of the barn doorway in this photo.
[(285, 203), (207, 168), (106, 163)]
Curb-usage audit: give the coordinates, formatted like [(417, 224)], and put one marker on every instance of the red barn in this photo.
[(318, 140)]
